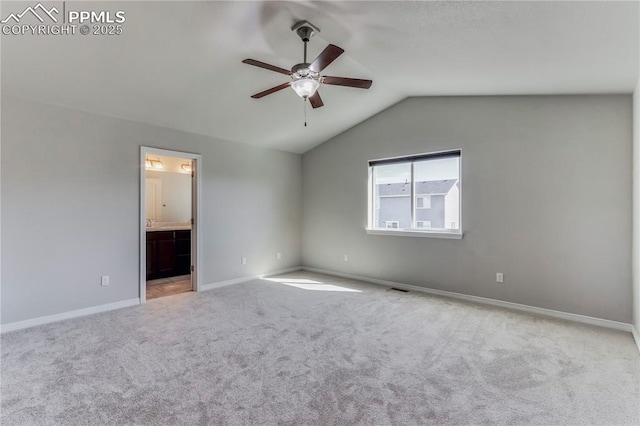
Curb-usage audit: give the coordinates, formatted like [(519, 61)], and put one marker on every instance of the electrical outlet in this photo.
[(279, 255), (243, 260), (346, 257), (499, 277), (104, 280)]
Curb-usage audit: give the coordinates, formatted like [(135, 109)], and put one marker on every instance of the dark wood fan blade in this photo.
[(316, 100), (266, 66), (328, 55), (349, 82), (270, 91)]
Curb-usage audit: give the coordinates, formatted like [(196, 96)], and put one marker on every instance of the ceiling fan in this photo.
[(306, 76)]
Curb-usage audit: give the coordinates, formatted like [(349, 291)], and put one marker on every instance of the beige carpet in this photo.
[(311, 349)]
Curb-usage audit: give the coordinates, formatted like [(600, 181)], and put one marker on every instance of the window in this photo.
[(423, 201), (416, 195)]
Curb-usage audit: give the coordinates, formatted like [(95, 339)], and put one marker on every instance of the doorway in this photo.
[(169, 231)]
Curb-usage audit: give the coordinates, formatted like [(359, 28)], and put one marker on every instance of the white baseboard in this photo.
[(225, 283), (18, 325), (486, 301), (636, 336)]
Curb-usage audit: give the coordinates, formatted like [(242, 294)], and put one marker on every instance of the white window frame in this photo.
[(414, 232)]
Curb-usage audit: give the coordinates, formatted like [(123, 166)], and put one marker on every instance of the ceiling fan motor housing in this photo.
[(303, 71)]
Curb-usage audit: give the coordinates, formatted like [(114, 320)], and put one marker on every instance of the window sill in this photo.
[(413, 233)]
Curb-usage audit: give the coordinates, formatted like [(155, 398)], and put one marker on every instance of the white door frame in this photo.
[(195, 212)]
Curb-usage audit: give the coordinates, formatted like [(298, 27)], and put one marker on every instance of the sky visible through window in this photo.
[(437, 169)]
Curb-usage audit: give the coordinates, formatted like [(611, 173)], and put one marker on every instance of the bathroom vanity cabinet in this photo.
[(168, 253)]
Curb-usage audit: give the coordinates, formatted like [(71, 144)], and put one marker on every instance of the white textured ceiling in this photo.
[(178, 64)]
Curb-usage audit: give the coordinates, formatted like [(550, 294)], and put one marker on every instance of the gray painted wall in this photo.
[(546, 199), (70, 206), (636, 208)]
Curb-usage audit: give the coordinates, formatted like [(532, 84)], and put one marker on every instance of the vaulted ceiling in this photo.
[(178, 64)]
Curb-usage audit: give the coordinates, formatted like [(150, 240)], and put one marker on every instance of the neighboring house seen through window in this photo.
[(416, 193), (423, 202)]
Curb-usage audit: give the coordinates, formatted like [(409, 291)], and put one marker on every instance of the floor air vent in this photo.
[(399, 289)]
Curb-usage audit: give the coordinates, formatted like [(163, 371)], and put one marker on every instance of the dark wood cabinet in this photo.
[(183, 252), (168, 253), (152, 259)]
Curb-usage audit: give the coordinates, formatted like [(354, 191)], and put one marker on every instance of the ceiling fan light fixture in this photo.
[(305, 87)]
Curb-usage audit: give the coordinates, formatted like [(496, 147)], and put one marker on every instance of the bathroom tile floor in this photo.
[(168, 286)]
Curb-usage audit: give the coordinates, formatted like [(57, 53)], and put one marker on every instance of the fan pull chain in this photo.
[(305, 111)]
